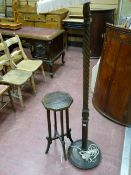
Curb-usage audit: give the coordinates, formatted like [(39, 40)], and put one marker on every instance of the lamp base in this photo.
[(84, 159)]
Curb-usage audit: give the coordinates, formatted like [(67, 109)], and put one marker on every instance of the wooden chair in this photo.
[(3, 90), (25, 63), (1, 38), (4, 60), (15, 77)]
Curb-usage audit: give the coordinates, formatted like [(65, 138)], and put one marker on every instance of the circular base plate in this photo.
[(75, 155)]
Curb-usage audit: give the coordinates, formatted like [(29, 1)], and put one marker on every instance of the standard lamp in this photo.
[(82, 153)]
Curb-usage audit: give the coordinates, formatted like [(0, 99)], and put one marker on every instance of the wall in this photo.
[(76, 9), (1, 6), (97, 4), (126, 8)]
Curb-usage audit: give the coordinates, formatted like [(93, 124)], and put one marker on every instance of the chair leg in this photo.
[(33, 84), (20, 98), (2, 99), (11, 100), (43, 72)]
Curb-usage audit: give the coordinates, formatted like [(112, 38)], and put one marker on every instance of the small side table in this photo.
[(73, 27), (58, 101)]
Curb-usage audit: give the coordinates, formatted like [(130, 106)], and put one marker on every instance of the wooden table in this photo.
[(46, 44), (58, 102)]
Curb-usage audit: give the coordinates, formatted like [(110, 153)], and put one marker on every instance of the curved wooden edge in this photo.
[(10, 25), (56, 32), (118, 27), (107, 116)]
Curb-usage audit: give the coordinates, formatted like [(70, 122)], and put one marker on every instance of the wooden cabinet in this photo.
[(99, 18), (112, 93), (49, 20), (45, 44)]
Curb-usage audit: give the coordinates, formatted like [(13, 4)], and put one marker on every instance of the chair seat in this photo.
[(3, 88), (17, 77), (29, 65)]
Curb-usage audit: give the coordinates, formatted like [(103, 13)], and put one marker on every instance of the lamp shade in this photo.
[(45, 6)]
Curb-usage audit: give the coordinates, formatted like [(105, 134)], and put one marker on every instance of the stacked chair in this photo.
[(25, 63), (20, 68), (15, 77)]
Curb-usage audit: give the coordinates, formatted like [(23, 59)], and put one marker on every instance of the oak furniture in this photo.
[(28, 16), (12, 22), (14, 77), (58, 102), (112, 93)]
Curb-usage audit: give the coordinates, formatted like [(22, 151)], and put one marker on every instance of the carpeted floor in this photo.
[(23, 134)]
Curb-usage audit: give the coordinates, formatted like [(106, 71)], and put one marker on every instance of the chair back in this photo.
[(4, 56), (1, 38), (11, 41), (2, 47), (18, 53)]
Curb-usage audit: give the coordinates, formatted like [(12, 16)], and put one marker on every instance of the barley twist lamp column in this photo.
[(82, 153)]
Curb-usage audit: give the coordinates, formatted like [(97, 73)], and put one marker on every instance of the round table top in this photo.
[(57, 101)]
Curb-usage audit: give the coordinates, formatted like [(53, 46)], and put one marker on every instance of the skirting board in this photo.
[(126, 156)]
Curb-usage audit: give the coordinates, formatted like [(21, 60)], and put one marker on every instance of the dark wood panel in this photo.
[(98, 26), (112, 94)]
